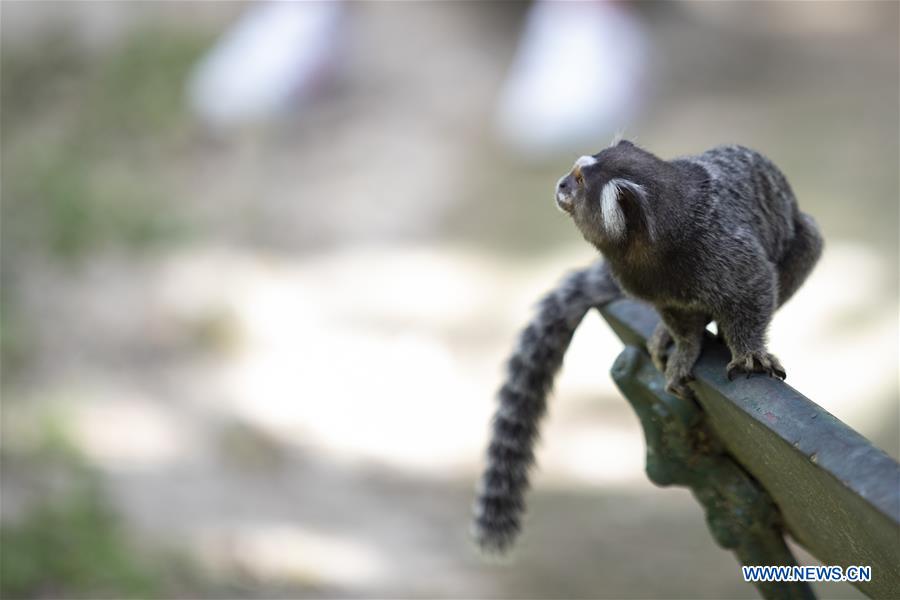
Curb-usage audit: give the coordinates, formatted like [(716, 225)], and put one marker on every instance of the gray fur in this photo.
[(716, 236), (523, 401), (713, 237)]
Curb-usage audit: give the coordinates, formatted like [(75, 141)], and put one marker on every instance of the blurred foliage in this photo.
[(35, 76), (15, 343), (72, 545), (63, 204), (69, 542), (88, 138), (83, 132), (136, 89), (138, 92)]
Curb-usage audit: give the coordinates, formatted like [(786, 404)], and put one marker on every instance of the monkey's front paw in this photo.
[(755, 362), (658, 347)]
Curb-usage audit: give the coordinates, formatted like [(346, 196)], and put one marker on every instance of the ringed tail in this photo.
[(530, 372)]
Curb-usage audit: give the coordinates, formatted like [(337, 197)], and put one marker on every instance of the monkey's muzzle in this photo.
[(565, 197)]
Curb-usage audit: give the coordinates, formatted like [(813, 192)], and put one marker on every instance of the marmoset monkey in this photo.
[(713, 237)]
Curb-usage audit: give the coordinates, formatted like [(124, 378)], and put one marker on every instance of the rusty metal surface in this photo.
[(838, 494)]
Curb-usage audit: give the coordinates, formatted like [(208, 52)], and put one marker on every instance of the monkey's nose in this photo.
[(564, 194)]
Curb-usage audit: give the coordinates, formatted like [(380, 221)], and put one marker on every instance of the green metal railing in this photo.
[(764, 460)]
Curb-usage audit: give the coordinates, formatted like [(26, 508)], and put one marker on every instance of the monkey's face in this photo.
[(570, 189), (604, 193)]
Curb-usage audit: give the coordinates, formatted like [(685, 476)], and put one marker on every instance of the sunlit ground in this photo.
[(385, 357)]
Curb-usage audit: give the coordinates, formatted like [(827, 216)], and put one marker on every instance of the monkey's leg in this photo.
[(686, 329), (744, 325), (799, 258), (658, 346)]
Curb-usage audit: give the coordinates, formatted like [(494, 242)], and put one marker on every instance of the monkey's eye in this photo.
[(579, 178)]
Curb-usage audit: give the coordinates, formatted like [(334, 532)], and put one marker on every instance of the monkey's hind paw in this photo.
[(755, 362)]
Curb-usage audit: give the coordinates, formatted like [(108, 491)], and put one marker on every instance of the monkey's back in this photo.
[(748, 192)]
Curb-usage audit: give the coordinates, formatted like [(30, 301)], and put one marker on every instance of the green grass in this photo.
[(138, 93), (71, 546), (70, 542), (88, 142), (86, 155), (61, 202)]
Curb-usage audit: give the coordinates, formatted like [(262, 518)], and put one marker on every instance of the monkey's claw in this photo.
[(755, 362)]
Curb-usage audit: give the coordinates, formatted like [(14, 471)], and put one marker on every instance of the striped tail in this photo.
[(523, 401)]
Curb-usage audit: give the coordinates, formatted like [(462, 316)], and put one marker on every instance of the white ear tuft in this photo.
[(613, 216)]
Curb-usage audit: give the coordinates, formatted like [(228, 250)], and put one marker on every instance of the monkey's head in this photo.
[(609, 195)]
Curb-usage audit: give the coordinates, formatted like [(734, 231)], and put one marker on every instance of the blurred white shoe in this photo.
[(575, 78), (272, 58)]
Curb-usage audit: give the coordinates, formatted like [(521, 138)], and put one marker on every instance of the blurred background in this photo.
[(261, 265)]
